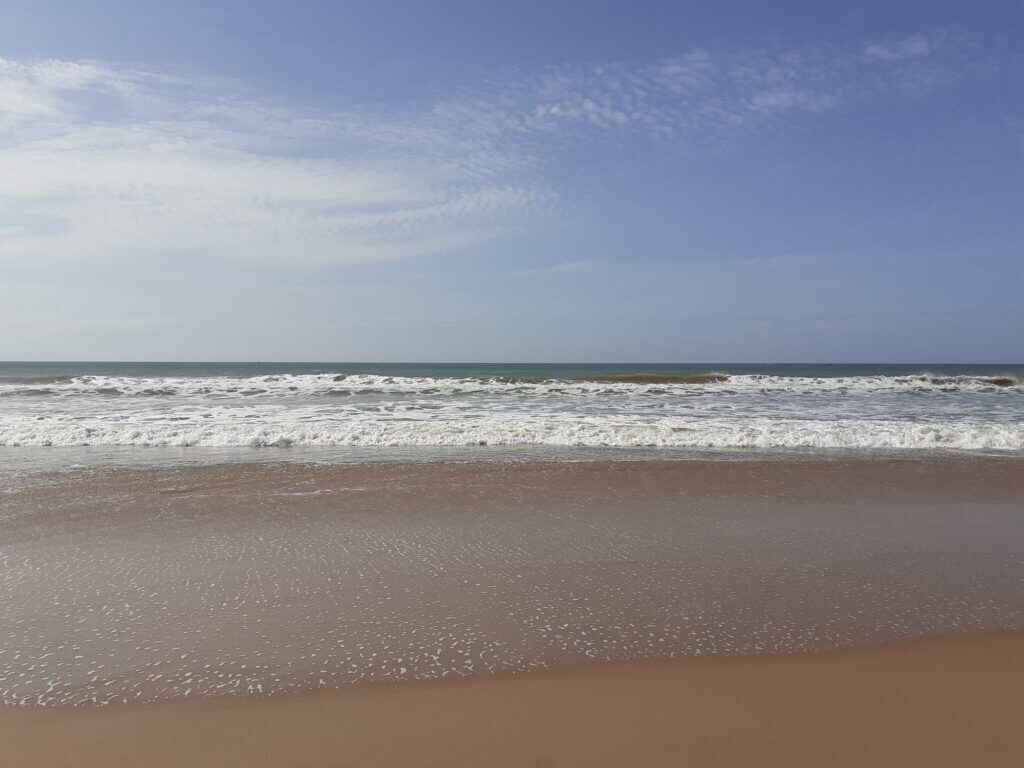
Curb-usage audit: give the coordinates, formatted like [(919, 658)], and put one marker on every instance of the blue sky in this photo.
[(729, 181)]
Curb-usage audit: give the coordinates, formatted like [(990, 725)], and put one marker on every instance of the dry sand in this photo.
[(952, 701)]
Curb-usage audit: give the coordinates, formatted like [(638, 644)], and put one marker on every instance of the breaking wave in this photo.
[(313, 385), (710, 409), (746, 433)]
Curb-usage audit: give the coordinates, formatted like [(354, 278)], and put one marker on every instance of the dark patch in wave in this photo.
[(996, 381), (30, 392)]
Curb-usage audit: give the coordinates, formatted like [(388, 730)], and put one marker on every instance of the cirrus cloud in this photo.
[(111, 164)]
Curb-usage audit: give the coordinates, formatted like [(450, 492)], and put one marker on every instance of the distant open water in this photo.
[(64, 414)]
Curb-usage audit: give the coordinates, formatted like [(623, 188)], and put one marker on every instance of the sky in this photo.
[(529, 181)]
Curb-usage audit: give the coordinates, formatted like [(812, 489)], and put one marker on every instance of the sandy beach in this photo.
[(541, 614), (950, 701), (140, 585)]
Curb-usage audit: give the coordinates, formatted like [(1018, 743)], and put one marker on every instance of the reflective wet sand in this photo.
[(138, 585)]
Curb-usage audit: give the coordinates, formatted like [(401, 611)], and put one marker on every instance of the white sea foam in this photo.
[(743, 433), (921, 411)]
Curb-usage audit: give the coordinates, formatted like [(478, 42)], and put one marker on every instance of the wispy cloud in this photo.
[(99, 163), (576, 267), (104, 163), (912, 47)]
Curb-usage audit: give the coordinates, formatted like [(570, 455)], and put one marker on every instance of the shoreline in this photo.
[(30, 464), (932, 702)]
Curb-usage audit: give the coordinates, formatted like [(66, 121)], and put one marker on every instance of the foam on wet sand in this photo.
[(161, 592)]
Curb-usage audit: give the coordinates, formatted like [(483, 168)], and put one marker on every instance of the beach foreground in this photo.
[(933, 702), (141, 585)]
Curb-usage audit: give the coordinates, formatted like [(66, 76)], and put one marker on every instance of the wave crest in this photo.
[(322, 385)]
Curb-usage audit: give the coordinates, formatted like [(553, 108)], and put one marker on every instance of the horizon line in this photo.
[(511, 362)]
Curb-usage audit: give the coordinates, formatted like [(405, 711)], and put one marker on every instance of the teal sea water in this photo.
[(44, 370), (66, 413)]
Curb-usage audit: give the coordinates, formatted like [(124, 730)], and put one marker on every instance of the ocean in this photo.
[(56, 414)]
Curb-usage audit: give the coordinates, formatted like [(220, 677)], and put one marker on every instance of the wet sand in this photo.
[(147, 585), (951, 701)]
